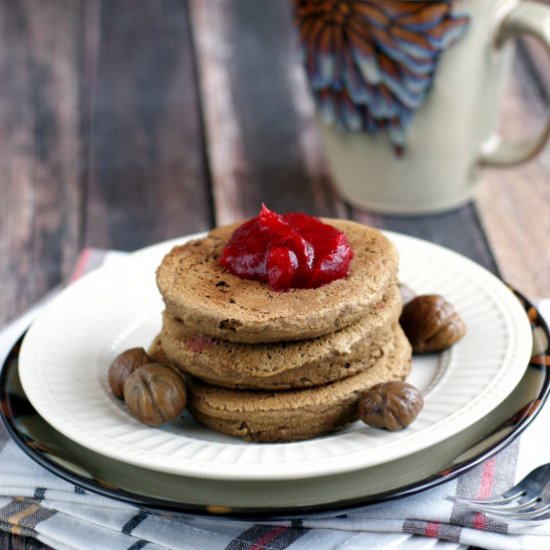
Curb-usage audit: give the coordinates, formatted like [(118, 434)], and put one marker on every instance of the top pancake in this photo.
[(207, 298)]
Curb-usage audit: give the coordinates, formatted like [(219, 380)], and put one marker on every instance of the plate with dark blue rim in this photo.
[(160, 491)]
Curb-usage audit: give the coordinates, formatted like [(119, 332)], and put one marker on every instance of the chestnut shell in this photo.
[(391, 405), (155, 394), (431, 323), (123, 365)]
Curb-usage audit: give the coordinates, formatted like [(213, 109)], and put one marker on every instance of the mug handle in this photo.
[(533, 19)]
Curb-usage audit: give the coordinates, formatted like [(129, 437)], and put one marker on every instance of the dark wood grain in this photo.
[(513, 203), (41, 157), (459, 230), (147, 175), (262, 143), (537, 61)]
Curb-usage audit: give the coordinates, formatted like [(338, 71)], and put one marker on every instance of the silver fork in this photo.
[(527, 501)]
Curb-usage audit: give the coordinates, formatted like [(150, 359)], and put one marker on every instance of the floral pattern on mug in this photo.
[(370, 63)]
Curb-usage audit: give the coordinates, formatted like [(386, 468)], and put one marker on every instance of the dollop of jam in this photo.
[(287, 251)]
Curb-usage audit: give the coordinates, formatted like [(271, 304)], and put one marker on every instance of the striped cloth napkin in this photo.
[(36, 503)]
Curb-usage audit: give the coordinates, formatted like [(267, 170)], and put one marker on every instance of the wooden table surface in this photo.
[(123, 126)]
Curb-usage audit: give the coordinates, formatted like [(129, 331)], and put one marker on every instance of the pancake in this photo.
[(297, 414), (331, 367), (210, 300), (283, 364), (156, 353)]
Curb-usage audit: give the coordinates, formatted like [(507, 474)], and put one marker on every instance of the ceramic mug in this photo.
[(408, 93)]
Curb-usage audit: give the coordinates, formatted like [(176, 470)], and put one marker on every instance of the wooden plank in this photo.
[(41, 168), (147, 177), (263, 145), (459, 230), (513, 203), (537, 62), (41, 158)]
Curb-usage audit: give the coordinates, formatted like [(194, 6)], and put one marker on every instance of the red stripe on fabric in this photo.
[(267, 538), (487, 478), (486, 485), (431, 529), (479, 521), (81, 264)]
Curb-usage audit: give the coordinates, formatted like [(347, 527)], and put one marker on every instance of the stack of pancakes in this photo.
[(281, 366)]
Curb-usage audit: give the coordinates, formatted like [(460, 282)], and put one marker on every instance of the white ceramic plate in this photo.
[(67, 352)]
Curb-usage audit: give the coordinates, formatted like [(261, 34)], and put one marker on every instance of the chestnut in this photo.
[(123, 365), (155, 394), (431, 323), (391, 405)]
